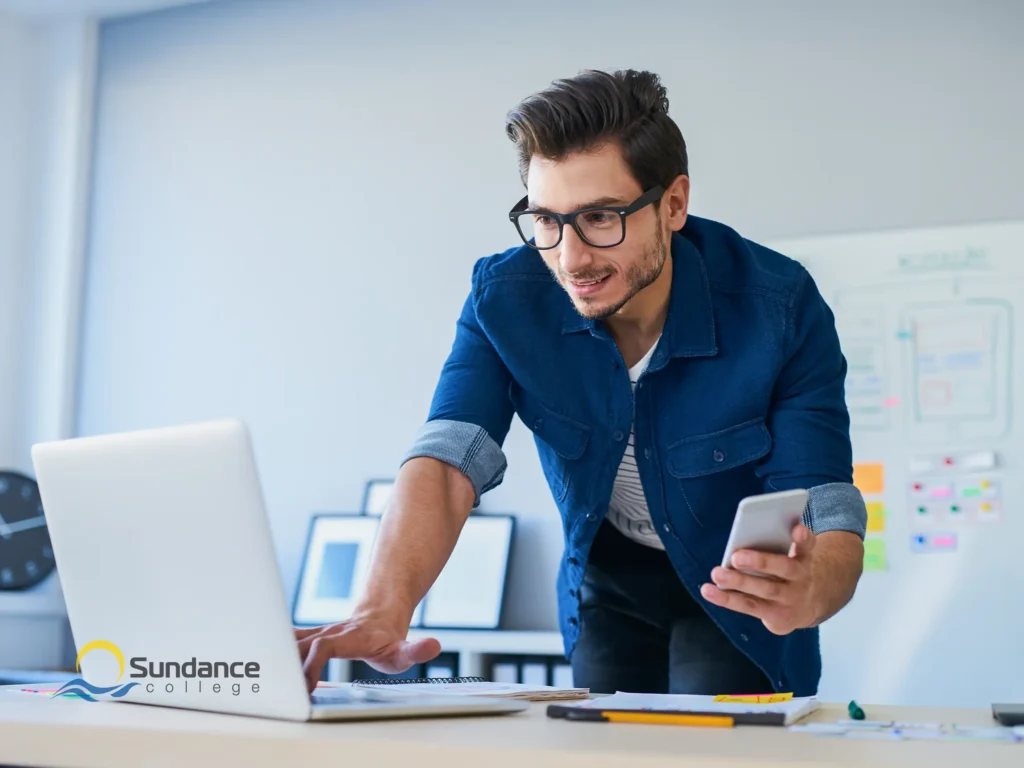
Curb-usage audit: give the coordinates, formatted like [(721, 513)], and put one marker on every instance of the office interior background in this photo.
[(269, 209)]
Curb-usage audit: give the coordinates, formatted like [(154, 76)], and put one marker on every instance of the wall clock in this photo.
[(26, 556)]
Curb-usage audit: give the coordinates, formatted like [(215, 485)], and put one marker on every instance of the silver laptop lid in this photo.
[(168, 568)]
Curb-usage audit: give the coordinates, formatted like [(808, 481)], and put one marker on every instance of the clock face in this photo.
[(26, 557)]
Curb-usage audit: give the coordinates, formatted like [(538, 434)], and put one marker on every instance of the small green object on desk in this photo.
[(856, 713)]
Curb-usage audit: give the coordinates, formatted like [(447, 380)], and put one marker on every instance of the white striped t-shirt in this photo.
[(627, 510)]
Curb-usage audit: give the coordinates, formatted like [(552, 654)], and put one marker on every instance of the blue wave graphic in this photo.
[(79, 688)]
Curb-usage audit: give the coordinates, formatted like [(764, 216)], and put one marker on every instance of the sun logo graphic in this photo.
[(79, 688)]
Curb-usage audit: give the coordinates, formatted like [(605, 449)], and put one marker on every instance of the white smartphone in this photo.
[(766, 523)]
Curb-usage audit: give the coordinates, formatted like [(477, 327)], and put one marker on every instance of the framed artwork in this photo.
[(376, 497), (334, 569), (470, 592)]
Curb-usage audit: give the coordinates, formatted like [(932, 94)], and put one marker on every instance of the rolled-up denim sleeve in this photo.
[(836, 507), (471, 411), (466, 447), (809, 421)]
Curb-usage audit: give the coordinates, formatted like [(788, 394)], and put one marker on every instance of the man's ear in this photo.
[(675, 203)]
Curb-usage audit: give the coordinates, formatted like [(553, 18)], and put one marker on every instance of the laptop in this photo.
[(171, 582)]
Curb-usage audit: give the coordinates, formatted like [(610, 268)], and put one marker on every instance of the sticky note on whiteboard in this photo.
[(874, 554), (869, 478), (876, 516), (921, 543)]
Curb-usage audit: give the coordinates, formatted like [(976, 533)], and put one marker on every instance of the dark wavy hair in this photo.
[(627, 107)]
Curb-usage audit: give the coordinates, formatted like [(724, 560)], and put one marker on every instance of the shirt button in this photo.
[(573, 561), (647, 453), (667, 528), (639, 384), (573, 593), (618, 436), (718, 456), (573, 620), (744, 638), (538, 424), (591, 516)]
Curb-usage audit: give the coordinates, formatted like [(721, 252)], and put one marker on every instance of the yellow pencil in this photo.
[(654, 718)]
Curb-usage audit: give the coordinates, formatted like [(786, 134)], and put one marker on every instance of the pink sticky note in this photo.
[(942, 492)]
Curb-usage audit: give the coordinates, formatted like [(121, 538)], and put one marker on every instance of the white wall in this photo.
[(18, 64), (60, 168), (46, 75), (289, 195)]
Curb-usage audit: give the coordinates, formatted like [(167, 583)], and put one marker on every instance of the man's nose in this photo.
[(575, 253)]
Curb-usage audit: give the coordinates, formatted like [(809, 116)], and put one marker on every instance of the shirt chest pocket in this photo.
[(561, 441), (716, 470)]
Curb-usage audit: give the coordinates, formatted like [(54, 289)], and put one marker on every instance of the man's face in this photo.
[(600, 281)]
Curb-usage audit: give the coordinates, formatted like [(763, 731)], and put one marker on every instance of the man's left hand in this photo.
[(782, 595)]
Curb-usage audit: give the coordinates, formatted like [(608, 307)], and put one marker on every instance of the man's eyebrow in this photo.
[(601, 202)]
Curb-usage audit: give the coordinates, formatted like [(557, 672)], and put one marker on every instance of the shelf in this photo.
[(473, 646)]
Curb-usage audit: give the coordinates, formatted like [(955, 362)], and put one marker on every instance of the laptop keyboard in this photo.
[(347, 696), (323, 695)]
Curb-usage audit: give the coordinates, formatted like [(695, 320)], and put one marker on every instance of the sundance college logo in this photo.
[(191, 676)]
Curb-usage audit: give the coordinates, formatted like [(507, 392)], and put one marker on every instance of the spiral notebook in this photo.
[(476, 686)]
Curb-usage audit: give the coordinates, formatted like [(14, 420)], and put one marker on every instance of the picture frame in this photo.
[(335, 565), (470, 591), (376, 496)]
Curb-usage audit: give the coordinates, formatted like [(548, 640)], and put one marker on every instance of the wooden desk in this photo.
[(36, 730)]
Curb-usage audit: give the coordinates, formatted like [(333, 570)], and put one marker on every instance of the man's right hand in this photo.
[(378, 642), (429, 505)]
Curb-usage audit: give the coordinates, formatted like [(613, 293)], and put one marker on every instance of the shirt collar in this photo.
[(690, 325)]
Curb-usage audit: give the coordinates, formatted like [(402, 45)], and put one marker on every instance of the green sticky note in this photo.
[(874, 554)]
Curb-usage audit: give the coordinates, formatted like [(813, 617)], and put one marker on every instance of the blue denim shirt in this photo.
[(744, 394)]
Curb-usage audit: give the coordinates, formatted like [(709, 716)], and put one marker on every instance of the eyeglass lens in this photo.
[(598, 227)]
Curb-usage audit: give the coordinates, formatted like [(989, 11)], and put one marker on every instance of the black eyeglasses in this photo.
[(603, 227)]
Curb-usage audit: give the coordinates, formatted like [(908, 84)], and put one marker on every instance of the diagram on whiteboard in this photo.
[(958, 357), (862, 330), (951, 344)]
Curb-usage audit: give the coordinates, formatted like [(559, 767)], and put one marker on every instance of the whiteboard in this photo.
[(928, 321)]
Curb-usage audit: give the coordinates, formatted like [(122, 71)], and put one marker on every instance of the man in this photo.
[(668, 368)]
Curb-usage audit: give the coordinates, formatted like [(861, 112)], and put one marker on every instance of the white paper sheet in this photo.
[(911, 731)]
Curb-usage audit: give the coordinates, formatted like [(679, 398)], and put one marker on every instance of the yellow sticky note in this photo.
[(754, 698), (876, 516), (874, 555), (869, 478)]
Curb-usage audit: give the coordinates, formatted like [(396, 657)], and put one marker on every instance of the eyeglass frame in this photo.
[(519, 209)]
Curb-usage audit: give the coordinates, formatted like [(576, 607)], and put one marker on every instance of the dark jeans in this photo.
[(641, 631)]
